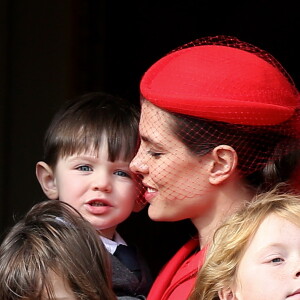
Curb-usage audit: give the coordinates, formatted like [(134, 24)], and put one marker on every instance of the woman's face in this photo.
[(175, 179)]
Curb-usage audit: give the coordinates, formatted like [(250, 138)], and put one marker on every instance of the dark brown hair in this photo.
[(86, 122), (53, 237), (265, 155)]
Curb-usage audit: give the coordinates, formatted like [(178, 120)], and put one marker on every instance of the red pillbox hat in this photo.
[(221, 83)]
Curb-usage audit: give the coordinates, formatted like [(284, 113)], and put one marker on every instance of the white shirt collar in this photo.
[(111, 245)]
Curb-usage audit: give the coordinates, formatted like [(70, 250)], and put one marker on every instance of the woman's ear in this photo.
[(226, 294), (45, 176), (224, 163)]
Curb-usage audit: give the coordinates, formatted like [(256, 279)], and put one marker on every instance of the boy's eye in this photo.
[(122, 173), (84, 168)]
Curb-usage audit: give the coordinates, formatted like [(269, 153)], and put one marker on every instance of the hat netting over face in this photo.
[(214, 91)]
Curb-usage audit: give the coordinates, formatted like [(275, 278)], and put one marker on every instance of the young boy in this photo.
[(87, 150)]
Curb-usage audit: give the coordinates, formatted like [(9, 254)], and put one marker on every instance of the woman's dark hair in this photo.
[(261, 151)]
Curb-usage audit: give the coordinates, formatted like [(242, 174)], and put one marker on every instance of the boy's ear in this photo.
[(45, 176), (224, 163), (226, 294)]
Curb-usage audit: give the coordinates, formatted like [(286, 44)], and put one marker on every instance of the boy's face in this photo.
[(104, 192), (270, 267)]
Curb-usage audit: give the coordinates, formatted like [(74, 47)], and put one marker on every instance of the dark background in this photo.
[(54, 50)]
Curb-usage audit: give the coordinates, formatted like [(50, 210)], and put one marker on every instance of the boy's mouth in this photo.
[(98, 203)]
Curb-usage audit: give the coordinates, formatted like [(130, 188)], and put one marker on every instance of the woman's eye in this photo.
[(154, 154), (84, 168), (122, 173)]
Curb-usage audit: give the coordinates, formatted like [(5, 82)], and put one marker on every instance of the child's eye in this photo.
[(122, 173), (276, 260), (84, 168)]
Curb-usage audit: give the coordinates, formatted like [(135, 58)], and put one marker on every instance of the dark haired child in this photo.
[(87, 151)]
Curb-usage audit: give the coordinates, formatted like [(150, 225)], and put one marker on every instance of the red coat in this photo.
[(177, 278)]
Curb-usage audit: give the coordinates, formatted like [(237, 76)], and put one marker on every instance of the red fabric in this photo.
[(177, 278), (222, 84)]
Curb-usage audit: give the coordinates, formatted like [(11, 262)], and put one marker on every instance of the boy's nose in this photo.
[(102, 187), (102, 184)]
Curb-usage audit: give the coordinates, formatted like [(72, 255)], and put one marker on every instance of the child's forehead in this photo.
[(61, 287), (95, 149), (272, 229), (114, 147), (96, 153), (84, 149)]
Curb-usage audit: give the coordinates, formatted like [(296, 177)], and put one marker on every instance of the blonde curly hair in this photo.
[(233, 237)]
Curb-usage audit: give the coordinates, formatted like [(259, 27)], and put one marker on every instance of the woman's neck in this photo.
[(226, 199)]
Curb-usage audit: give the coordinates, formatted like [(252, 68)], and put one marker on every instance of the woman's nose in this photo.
[(138, 164)]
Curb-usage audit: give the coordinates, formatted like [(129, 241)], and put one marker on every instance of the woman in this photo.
[(218, 116)]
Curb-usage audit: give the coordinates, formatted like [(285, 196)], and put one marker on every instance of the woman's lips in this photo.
[(150, 193)]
